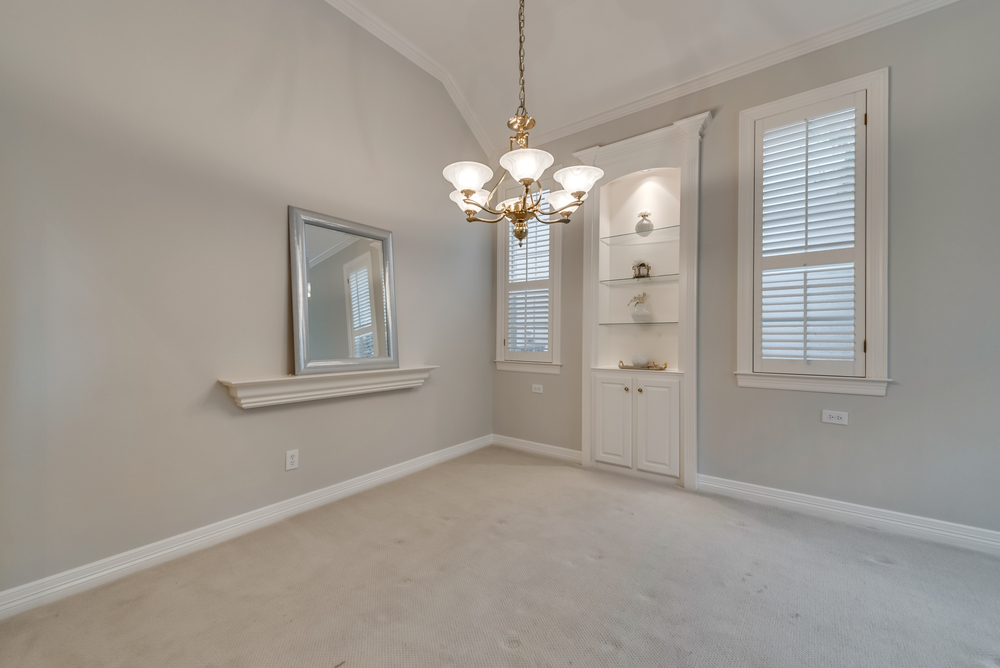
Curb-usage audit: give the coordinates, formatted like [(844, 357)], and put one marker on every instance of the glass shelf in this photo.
[(658, 322), (659, 235), (661, 278)]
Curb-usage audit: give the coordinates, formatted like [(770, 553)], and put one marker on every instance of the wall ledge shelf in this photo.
[(278, 390), (632, 372)]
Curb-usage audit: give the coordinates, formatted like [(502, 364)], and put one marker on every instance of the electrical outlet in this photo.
[(537, 389), (834, 417), (291, 460)]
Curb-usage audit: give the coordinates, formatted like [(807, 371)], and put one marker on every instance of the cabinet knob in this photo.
[(626, 388), (640, 390)]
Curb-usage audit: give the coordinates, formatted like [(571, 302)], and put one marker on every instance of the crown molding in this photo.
[(377, 27), (333, 250), (818, 40), (814, 42)]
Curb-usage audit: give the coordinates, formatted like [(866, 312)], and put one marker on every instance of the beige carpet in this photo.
[(505, 559)]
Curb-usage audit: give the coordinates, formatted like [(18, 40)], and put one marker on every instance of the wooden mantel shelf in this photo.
[(309, 387)]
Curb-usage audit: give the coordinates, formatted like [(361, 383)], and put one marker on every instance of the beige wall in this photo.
[(932, 446), (148, 152)]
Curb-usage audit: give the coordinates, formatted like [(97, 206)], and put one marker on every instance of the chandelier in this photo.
[(524, 165)]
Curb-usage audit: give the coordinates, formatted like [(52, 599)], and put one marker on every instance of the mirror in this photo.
[(343, 301)]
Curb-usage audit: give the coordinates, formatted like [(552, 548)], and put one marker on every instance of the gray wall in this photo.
[(931, 447), (329, 327), (328, 330), (553, 417), (148, 152)]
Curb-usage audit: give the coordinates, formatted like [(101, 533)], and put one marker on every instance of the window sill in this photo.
[(530, 367), (834, 384)]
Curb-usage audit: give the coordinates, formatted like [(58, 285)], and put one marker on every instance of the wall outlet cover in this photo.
[(834, 417), (291, 460), (537, 389)]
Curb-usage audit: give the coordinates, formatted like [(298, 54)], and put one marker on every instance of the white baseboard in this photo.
[(983, 540), (54, 587), (539, 448)]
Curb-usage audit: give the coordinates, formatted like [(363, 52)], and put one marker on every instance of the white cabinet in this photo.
[(637, 421), (657, 428), (614, 420)]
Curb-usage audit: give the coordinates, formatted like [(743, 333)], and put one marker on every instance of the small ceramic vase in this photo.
[(640, 360), (641, 313), (645, 225)]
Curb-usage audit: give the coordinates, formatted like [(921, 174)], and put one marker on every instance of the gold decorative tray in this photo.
[(653, 366)]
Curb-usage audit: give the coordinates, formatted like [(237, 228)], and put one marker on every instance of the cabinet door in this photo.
[(613, 428), (657, 403)]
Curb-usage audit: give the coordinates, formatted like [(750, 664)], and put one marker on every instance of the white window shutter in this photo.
[(809, 267), (529, 295), (359, 307)]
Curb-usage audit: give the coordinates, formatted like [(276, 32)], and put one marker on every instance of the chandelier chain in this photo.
[(520, 20)]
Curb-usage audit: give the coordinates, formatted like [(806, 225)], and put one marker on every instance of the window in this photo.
[(813, 224), (362, 340), (528, 298)]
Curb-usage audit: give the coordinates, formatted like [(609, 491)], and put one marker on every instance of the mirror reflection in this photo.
[(343, 302), (345, 295)]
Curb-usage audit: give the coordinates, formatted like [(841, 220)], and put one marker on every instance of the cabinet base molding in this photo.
[(938, 531)]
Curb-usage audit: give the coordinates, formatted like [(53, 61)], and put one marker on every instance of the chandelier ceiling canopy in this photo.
[(526, 166)]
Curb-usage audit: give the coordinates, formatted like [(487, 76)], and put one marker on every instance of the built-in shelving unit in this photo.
[(638, 282), (638, 421), (643, 324), (657, 235)]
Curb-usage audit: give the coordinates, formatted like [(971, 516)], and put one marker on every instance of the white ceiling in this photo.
[(589, 61)]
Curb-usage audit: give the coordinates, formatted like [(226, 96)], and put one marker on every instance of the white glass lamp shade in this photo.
[(526, 164), (559, 199), (479, 198), (580, 178), (508, 203), (467, 175)]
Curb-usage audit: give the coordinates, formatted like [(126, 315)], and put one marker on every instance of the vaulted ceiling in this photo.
[(590, 61)]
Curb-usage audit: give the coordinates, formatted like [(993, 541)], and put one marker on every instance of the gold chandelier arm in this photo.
[(474, 219), (535, 204), (489, 198), (562, 212), (538, 217), (485, 208)]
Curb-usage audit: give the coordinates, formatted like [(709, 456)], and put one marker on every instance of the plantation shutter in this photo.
[(362, 334), (529, 295), (809, 266)]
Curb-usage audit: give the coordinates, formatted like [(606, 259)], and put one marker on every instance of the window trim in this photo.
[(876, 378), (555, 298)]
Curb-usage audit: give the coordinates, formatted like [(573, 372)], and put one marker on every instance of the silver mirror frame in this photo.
[(297, 219)]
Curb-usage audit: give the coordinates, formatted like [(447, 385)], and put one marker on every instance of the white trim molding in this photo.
[(872, 387), (554, 451), (818, 40), (33, 594), (529, 362), (949, 533), (530, 367), (876, 319), (309, 387)]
